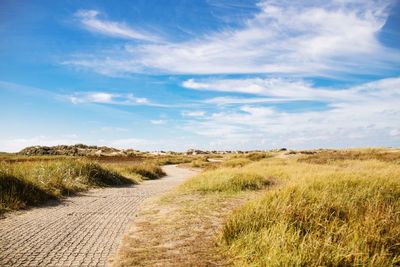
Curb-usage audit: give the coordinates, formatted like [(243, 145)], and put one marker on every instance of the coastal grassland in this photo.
[(227, 180), (32, 182), (305, 209), (138, 170), (338, 211), (182, 225), (28, 181)]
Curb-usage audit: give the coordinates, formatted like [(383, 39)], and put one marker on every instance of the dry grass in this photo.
[(138, 171), (32, 182), (324, 157), (330, 208), (227, 180), (179, 229), (27, 181), (340, 213), (236, 162)]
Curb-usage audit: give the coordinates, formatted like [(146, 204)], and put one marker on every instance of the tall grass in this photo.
[(236, 162), (29, 183), (145, 171), (343, 213), (225, 180), (327, 156)]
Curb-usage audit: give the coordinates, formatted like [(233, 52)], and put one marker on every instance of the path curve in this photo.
[(82, 231)]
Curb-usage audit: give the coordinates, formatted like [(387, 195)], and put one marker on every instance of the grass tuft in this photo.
[(146, 171), (225, 180), (236, 162)]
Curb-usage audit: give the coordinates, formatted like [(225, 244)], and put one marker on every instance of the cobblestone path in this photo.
[(83, 230)]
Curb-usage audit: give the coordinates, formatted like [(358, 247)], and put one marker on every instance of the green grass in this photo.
[(341, 213), (225, 180)]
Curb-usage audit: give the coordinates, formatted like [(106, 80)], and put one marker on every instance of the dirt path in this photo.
[(83, 230)]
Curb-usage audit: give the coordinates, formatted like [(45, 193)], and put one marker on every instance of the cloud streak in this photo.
[(107, 98), (91, 21), (369, 117), (319, 39)]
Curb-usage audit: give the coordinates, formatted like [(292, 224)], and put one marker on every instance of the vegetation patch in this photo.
[(328, 156), (236, 162), (147, 171), (30, 183), (226, 180), (342, 214)]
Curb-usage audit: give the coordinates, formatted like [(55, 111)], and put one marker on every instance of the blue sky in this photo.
[(208, 74)]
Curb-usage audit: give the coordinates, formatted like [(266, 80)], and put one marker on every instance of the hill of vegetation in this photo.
[(73, 150)]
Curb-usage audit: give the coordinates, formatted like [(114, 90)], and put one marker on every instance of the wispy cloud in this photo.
[(320, 38), (158, 122), (370, 117), (91, 21), (107, 98), (227, 100), (197, 113), (110, 129), (277, 89)]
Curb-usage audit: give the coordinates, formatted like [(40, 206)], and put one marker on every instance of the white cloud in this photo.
[(272, 87), (113, 129), (158, 122), (394, 132), (91, 21), (370, 117), (193, 113), (317, 38), (226, 100), (107, 98)]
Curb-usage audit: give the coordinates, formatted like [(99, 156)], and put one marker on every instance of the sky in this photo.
[(206, 74)]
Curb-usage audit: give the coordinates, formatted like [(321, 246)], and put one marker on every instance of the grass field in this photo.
[(328, 209), (308, 208), (278, 208), (31, 180)]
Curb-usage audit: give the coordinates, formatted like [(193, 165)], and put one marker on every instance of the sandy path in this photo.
[(83, 230)]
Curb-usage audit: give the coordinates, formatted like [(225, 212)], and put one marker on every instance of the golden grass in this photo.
[(326, 156), (26, 181), (228, 180), (343, 213), (32, 182), (138, 171), (236, 162)]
